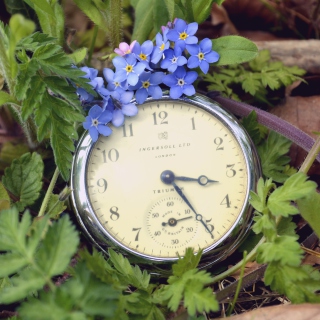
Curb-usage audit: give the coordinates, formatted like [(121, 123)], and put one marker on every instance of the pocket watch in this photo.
[(177, 175)]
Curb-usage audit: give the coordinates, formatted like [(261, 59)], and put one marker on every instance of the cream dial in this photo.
[(205, 200)]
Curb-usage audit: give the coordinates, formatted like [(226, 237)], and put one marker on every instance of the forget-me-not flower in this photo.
[(173, 58), (113, 85), (127, 68), (125, 48), (162, 44), (148, 85), (143, 52), (202, 55), (120, 105), (183, 33), (180, 82), (96, 122)]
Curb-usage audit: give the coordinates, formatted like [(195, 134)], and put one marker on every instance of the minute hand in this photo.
[(202, 180), (198, 216)]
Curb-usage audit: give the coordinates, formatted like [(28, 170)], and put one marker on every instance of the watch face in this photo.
[(175, 176)]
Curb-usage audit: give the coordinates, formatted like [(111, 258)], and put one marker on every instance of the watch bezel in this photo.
[(212, 254)]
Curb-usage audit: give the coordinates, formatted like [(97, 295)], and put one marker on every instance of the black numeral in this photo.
[(138, 232), (210, 226), (157, 233), (155, 215), (102, 184), (226, 201), (218, 142), (170, 204), (112, 155), (174, 241), (230, 171), (162, 115), (190, 229), (114, 213), (127, 130)]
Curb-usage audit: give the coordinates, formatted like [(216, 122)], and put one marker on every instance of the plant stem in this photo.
[(49, 192), (237, 266), (231, 307), (312, 155), (93, 42)]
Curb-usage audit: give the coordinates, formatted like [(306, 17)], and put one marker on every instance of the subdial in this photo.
[(171, 223)]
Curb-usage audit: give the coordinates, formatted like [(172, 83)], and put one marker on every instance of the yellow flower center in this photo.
[(200, 55), (145, 84), (128, 51), (142, 56), (183, 35), (129, 68), (162, 47), (116, 84)]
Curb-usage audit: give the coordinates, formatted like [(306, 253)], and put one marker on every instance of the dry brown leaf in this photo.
[(250, 267)]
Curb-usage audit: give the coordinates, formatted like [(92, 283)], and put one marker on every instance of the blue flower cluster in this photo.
[(141, 70)]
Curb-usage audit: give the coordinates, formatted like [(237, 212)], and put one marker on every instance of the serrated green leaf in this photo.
[(263, 224), (58, 247), (133, 275), (4, 198), (188, 262), (198, 299), (33, 97), (7, 98), (234, 50), (284, 249), (273, 156), (269, 80), (260, 61), (24, 179), (309, 208), (35, 40), (26, 72), (11, 263), (250, 82), (294, 188)]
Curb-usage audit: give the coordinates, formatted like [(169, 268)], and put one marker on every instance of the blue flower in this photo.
[(173, 59), (91, 73), (180, 82), (183, 33), (96, 122), (113, 85), (148, 85), (120, 105), (162, 44), (127, 68), (143, 52), (202, 55)]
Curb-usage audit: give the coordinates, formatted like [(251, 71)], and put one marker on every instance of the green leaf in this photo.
[(78, 55), (250, 82), (309, 208), (263, 224), (55, 206), (58, 247), (4, 198), (201, 10), (259, 200), (256, 131), (34, 96), (143, 20), (160, 14), (234, 50), (24, 179), (284, 249), (295, 187), (170, 4), (188, 262), (10, 151), (20, 27), (133, 275), (6, 98), (273, 156), (187, 287), (35, 40)]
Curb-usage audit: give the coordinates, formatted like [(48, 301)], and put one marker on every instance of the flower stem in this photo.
[(49, 192), (312, 155)]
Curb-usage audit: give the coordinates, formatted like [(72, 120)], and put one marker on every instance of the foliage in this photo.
[(255, 79), (43, 273)]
